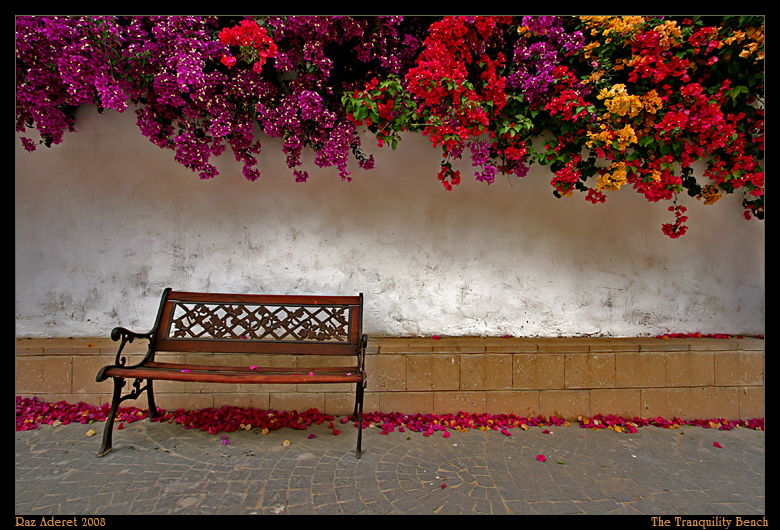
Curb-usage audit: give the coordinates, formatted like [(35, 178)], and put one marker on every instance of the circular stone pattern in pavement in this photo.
[(165, 468)]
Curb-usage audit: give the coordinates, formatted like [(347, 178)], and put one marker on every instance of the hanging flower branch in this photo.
[(606, 102)]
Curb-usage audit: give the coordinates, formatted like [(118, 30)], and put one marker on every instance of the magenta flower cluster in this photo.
[(187, 99), (536, 58)]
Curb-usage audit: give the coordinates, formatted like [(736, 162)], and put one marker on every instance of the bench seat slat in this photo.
[(237, 374)]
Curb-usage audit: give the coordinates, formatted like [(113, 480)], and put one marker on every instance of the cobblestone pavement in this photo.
[(161, 468)]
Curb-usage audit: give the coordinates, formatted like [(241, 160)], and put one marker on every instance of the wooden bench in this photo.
[(248, 325)]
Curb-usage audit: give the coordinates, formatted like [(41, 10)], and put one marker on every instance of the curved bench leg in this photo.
[(105, 448)]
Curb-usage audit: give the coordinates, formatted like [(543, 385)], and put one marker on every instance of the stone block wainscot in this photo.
[(564, 377)]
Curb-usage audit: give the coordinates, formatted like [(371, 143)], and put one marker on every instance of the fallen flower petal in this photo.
[(540, 458), (435, 337), (91, 433), (443, 486), (286, 443), (311, 373), (185, 371), (336, 432), (310, 437), (253, 367), (716, 444)]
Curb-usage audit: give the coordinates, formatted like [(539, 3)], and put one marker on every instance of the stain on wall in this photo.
[(106, 220)]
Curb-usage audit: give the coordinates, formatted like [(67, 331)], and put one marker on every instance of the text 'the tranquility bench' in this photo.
[(245, 324)]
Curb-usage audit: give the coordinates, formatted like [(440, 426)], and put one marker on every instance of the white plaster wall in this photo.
[(106, 220)]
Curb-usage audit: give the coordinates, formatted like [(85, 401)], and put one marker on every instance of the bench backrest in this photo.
[(250, 323)]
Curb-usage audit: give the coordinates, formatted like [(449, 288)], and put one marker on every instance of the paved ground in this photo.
[(161, 468)]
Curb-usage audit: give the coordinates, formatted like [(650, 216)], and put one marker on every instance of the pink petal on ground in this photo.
[(540, 458), (716, 444)]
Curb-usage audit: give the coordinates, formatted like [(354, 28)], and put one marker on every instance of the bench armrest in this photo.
[(125, 335)]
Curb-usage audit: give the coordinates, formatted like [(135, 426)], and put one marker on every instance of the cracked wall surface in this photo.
[(106, 220)]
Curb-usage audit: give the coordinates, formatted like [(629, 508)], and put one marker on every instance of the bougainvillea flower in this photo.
[(540, 458), (716, 444), (310, 437), (253, 367), (185, 371), (228, 61)]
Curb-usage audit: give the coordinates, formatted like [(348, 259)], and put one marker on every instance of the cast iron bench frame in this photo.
[(248, 324)]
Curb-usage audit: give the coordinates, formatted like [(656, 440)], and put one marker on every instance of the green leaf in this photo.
[(645, 141)]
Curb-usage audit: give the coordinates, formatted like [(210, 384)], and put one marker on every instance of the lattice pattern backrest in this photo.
[(264, 322), (253, 323)]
